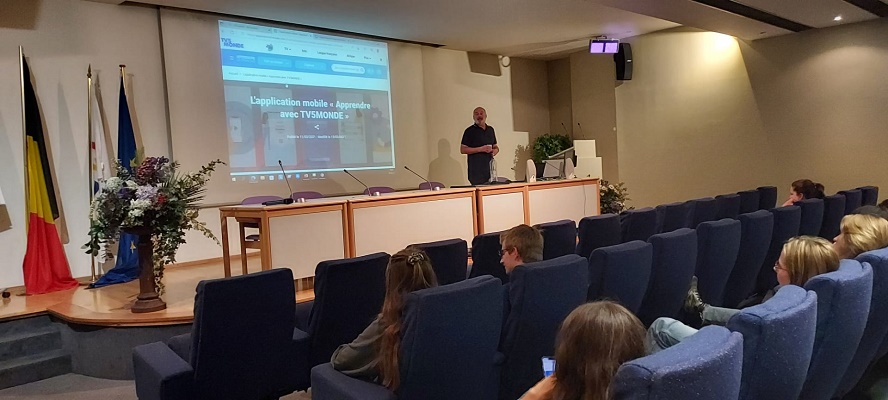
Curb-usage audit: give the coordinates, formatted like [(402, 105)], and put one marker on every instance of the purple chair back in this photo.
[(307, 195), (259, 199), (427, 185), (378, 189)]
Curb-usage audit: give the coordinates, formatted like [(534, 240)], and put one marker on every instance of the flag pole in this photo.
[(89, 159), (24, 137)]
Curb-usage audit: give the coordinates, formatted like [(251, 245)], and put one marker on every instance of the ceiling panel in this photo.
[(816, 13)]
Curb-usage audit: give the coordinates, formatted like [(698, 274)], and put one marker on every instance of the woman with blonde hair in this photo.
[(373, 355), (594, 340), (861, 233)]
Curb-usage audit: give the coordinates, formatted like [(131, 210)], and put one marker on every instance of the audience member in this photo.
[(519, 245), (594, 340), (373, 355), (804, 189), (802, 258), (872, 210), (884, 205), (861, 233)]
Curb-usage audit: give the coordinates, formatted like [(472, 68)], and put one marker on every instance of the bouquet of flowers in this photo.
[(153, 196), (614, 198)]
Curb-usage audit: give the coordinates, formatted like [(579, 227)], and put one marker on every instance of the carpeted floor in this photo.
[(79, 387)]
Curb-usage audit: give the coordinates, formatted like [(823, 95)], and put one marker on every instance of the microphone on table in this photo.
[(565, 129), (423, 178), (285, 200), (359, 181)]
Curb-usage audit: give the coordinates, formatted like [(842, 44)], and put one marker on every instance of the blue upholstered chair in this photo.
[(598, 231), (786, 226), (749, 201), (621, 273), (767, 197), (673, 216), (876, 329), (755, 239), (378, 189), (240, 347), (674, 260), (450, 259), (778, 338), (306, 195), (348, 297), (431, 185), (705, 366), (541, 295), (870, 195), (486, 258), (853, 200), (812, 216), (833, 211), (559, 238), (728, 206), (718, 243), (702, 210), (843, 303), (638, 224), (448, 348)]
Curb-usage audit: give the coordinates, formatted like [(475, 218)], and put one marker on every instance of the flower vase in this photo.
[(148, 299)]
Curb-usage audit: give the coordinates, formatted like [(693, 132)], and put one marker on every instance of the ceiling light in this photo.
[(837, 18)]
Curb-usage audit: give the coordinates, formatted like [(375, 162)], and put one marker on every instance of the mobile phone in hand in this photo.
[(548, 366)]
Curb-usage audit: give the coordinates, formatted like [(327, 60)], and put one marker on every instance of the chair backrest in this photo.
[(833, 211), (432, 184), (450, 259), (705, 366), (598, 231), (559, 238), (259, 199), (728, 206), (812, 216), (786, 226), (378, 189), (231, 357), (843, 302), (541, 295), (486, 258), (348, 297), (767, 197), (749, 201), (702, 210), (876, 330), (621, 273), (673, 216), (756, 229), (718, 243), (449, 341), (638, 224), (870, 195), (778, 337), (307, 195), (853, 200), (674, 260)]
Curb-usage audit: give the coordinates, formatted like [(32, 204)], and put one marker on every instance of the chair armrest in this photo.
[(329, 384), (160, 373), (181, 345)]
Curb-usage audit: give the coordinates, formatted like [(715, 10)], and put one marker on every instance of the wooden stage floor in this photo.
[(110, 305)]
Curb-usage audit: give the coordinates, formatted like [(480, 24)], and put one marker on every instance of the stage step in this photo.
[(27, 343), (34, 367), (31, 350)]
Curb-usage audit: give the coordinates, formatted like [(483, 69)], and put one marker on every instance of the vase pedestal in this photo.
[(148, 299)]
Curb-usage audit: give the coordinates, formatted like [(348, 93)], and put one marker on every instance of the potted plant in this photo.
[(156, 203), (544, 146), (613, 198)]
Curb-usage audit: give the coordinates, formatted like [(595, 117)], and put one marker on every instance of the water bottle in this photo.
[(492, 170)]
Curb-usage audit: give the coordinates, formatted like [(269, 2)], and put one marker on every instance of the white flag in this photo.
[(100, 164), (5, 223)]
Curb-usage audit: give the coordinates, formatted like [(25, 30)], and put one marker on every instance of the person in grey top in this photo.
[(373, 355)]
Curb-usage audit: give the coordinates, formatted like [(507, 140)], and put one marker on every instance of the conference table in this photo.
[(300, 235)]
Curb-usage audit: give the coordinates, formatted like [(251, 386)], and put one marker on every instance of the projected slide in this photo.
[(315, 102)]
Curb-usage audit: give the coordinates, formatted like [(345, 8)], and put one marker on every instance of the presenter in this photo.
[(479, 144)]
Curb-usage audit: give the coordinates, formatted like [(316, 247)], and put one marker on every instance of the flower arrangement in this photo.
[(153, 196), (614, 198), (546, 145)]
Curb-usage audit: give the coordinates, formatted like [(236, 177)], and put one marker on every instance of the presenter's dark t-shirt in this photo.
[(479, 163)]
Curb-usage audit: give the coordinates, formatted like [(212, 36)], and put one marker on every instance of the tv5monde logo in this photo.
[(227, 42)]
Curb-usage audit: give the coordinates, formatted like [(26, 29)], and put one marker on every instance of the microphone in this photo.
[(421, 177), (359, 181), (285, 200), (565, 129), (581, 130)]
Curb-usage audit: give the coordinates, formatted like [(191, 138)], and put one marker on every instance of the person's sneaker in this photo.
[(693, 303)]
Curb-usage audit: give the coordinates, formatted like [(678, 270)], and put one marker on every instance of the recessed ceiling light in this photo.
[(837, 18)]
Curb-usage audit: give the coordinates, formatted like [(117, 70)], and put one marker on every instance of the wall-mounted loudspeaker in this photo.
[(623, 59)]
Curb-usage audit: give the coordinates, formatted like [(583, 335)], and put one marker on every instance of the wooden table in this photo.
[(501, 207)]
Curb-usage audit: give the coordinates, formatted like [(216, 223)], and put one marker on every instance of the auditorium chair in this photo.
[(597, 231), (767, 197), (306, 195), (541, 294), (449, 338), (843, 303), (718, 243), (853, 200), (250, 241), (431, 185), (702, 210), (778, 338), (749, 201), (705, 366), (870, 195), (449, 258), (833, 211), (812, 216), (756, 229), (673, 216), (786, 226), (241, 344), (559, 238), (728, 206), (638, 224), (621, 273), (372, 190), (486, 258), (674, 260)]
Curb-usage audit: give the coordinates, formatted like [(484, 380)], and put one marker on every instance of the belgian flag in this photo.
[(46, 266)]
